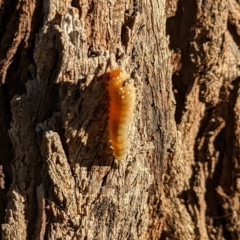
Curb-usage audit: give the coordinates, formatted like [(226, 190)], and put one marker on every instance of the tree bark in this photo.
[(65, 182), (58, 177), (204, 38)]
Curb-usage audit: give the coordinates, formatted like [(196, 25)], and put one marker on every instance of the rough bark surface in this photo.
[(204, 38), (64, 182), (58, 178)]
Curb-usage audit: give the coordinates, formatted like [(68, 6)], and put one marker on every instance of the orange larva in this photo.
[(122, 98)]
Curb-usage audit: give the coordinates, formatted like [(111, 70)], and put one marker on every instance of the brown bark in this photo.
[(204, 40), (65, 182), (180, 177)]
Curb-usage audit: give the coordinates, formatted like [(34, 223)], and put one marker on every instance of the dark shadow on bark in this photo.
[(16, 77), (224, 167), (179, 29), (91, 106)]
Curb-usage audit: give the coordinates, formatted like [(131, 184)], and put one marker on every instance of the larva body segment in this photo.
[(122, 98)]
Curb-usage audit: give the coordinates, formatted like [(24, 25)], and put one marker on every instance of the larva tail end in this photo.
[(118, 161), (119, 158)]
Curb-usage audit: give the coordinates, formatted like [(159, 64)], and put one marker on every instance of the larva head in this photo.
[(115, 73), (117, 77)]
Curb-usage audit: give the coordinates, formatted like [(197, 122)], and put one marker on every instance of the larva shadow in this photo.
[(84, 113)]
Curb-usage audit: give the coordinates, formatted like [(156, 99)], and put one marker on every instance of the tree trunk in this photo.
[(180, 177)]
